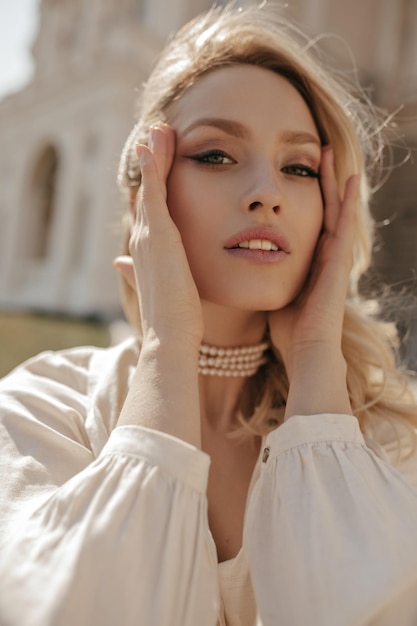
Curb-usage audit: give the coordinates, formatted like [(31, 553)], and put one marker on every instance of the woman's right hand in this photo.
[(162, 396), (158, 269)]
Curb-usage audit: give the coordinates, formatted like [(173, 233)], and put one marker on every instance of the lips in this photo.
[(258, 244), (258, 238)]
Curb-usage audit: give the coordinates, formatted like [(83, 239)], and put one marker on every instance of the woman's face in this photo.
[(243, 189)]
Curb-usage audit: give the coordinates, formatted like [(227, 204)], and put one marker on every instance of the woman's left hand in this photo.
[(310, 328)]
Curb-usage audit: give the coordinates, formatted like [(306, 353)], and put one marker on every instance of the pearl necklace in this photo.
[(243, 361)]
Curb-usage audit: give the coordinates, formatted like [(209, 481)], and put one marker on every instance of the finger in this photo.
[(151, 202), (330, 190), (162, 146), (150, 192), (346, 224), (345, 232)]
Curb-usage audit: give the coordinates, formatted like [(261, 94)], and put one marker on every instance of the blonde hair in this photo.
[(258, 35)]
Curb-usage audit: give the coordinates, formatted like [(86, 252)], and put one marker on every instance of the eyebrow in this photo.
[(231, 127), (238, 130), (299, 138)]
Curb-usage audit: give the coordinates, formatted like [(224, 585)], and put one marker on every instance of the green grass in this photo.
[(23, 335)]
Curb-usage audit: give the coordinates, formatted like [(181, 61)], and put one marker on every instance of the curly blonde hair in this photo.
[(345, 119)]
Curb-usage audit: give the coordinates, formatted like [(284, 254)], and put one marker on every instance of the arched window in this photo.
[(41, 204)]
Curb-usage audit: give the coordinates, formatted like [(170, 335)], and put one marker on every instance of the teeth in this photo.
[(259, 244)]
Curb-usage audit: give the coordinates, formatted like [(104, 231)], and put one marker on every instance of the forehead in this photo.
[(245, 92)]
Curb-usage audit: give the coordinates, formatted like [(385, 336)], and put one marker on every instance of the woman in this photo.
[(237, 467)]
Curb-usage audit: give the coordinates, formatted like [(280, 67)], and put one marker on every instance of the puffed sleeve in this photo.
[(331, 530), (118, 537)]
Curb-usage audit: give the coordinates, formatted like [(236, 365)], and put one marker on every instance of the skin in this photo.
[(264, 177), (185, 207)]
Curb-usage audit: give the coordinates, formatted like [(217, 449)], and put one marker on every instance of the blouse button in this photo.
[(265, 454)]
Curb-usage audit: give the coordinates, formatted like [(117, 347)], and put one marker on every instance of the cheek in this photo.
[(316, 226), (192, 204), (310, 220), (318, 209), (309, 230)]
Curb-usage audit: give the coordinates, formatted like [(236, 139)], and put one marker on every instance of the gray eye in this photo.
[(300, 170)]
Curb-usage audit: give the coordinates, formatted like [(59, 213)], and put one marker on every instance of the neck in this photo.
[(232, 327), (226, 328)]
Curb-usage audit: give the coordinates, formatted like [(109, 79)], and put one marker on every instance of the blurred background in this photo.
[(70, 71)]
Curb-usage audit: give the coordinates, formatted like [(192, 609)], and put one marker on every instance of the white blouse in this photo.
[(105, 525)]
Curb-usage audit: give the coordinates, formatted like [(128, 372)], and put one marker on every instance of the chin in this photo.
[(272, 304), (254, 302), (249, 294)]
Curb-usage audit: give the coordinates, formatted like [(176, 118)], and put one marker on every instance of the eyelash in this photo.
[(304, 171), (205, 156)]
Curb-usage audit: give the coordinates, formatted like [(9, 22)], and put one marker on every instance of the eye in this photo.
[(213, 157), (304, 171)]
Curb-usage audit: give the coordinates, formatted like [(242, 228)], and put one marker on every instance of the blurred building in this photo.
[(61, 137)]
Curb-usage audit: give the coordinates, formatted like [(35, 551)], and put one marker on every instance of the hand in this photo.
[(315, 319), (158, 268)]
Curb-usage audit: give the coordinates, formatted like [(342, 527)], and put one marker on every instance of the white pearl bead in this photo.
[(239, 361)]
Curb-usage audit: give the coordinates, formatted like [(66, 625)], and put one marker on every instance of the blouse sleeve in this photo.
[(331, 530), (120, 537)]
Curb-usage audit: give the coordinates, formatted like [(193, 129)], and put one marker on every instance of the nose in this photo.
[(263, 192), (256, 204)]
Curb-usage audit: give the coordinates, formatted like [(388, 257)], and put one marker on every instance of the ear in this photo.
[(124, 265)]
